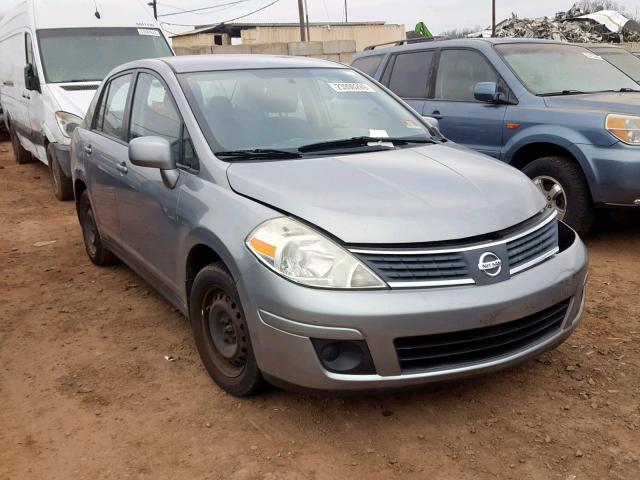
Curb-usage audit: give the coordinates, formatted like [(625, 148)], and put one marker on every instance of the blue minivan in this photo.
[(559, 112)]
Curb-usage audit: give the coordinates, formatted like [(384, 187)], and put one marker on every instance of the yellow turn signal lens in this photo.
[(263, 247)]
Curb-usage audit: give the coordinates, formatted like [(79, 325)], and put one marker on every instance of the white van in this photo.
[(53, 56)]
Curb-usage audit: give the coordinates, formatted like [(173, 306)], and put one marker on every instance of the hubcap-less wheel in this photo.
[(553, 193), (90, 232), (227, 331)]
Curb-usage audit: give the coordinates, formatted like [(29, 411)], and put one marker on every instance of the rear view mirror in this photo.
[(31, 81), (154, 152), (487, 92)]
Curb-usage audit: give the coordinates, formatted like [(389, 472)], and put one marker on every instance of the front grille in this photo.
[(525, 249), (418, 268), (447, 350)]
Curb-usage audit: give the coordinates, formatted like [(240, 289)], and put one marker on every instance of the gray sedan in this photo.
[(315, 230)]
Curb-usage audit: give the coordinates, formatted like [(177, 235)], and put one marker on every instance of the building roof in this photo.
[(232, 27)]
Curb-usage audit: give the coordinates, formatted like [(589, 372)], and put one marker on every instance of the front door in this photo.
[(34, 104), (463, 119)]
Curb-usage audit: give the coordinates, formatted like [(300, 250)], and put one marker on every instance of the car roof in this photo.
[(461, 42), (602, 46), (200, 63)]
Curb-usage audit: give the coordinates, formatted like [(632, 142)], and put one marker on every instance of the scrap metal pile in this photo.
[(574, 25)]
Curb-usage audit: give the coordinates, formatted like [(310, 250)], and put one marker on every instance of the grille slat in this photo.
[(536, 244), (458, 348), (419, 267)]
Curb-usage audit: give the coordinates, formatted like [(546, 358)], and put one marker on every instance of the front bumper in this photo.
[(616, 171), (283, 317), (63, 156)]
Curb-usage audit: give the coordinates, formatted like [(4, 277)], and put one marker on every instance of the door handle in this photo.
[(436, 114), (122, 167), (26, 95), (88, 150)]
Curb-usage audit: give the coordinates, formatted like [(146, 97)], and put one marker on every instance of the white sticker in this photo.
[(378, 133), (148, 32), (592, 56), (351, 87)]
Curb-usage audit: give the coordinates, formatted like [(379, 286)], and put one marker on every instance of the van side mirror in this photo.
[(155, 152), (31, 81), (487, 92)]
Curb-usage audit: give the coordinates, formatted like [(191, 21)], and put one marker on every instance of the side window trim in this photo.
[(501, 82), (104, 97)]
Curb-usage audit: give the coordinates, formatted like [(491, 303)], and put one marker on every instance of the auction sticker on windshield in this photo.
[(148, 32), (351, 87)]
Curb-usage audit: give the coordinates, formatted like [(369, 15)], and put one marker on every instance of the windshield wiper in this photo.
[(256, 154), (563, 92), (361, 142)]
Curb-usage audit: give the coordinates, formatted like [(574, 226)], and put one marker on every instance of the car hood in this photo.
[(608, 102), (74, 98), (427, 194)]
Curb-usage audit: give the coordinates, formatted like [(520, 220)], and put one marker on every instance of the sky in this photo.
[(439, 15)]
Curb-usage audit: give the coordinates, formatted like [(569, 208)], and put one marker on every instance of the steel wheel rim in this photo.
[(554, 194), (226, 332), (90, 232)]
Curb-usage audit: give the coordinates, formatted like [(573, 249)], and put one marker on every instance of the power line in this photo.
[(224, 21), (236, 2)]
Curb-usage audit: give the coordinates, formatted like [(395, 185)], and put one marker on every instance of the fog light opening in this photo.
[(350, 357)]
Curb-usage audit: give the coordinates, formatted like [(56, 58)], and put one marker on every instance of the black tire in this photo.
[(579, 213), (221, 332), (21, 155), (96, 251), (61, 184)]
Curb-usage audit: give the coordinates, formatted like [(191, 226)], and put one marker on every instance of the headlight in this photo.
[(304, 256), (68, 123), (625, 128)]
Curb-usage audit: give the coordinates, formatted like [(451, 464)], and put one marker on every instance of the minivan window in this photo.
[(89, 54), (291, 108), (368, 65), (111, 119), (410, 74), (625, 61), (553, 69), (458, 73)]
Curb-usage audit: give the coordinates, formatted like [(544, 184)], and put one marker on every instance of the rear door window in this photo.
[(410, 75), (458, 73), (368, 65)]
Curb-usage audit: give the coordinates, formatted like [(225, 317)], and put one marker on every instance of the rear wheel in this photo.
[(94, 247), (565, 189), (21, 155), (221, 332), (61, 184)]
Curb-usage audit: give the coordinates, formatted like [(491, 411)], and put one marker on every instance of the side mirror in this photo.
[(434, 124), (31, 81), (155, 152), (487, 92)]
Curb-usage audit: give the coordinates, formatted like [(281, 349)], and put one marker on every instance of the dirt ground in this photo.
[(86, 392)]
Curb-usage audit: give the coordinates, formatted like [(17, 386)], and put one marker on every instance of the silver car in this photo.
[(315, 230)]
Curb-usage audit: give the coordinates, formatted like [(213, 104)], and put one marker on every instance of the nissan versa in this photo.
[(317, 231)]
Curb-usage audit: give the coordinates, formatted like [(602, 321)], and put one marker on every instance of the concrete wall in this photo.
[(631, 46), (341, 51)]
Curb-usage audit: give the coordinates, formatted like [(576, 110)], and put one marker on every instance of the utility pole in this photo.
[(346, 12), (493, 18), (306, 11), (303, 32), (154, 4)]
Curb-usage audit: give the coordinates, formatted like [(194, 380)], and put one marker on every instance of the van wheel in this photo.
[(562, 183), (221, 332), (61, 184), (93, 245), (21, 155)]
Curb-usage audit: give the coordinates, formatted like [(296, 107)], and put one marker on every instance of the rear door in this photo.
[(105, 153), (463, 119), (408, 76)]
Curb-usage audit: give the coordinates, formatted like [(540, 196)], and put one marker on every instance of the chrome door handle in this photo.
[(88, 150), (435, 114), (122, 167)]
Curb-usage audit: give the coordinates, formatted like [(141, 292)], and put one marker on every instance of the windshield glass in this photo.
[(89, 54), (625, 61), (291, 108), (551, 68)]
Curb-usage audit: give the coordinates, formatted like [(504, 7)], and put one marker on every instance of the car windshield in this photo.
[(287, 109), (625, 61), (555, 69), (89, 54)]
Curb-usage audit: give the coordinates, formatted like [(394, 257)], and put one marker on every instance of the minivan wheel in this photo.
[(565, 189), (93, 245), (221, 332), (61, 184), (21, 155)]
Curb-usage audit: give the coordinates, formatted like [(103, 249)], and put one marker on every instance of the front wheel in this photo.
[(565, 189), (221, 332), (61, 184)]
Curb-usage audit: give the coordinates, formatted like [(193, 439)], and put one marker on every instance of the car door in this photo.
[(33, 102), (463, 119), (147, 208), (105, 153), (408, 74)]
